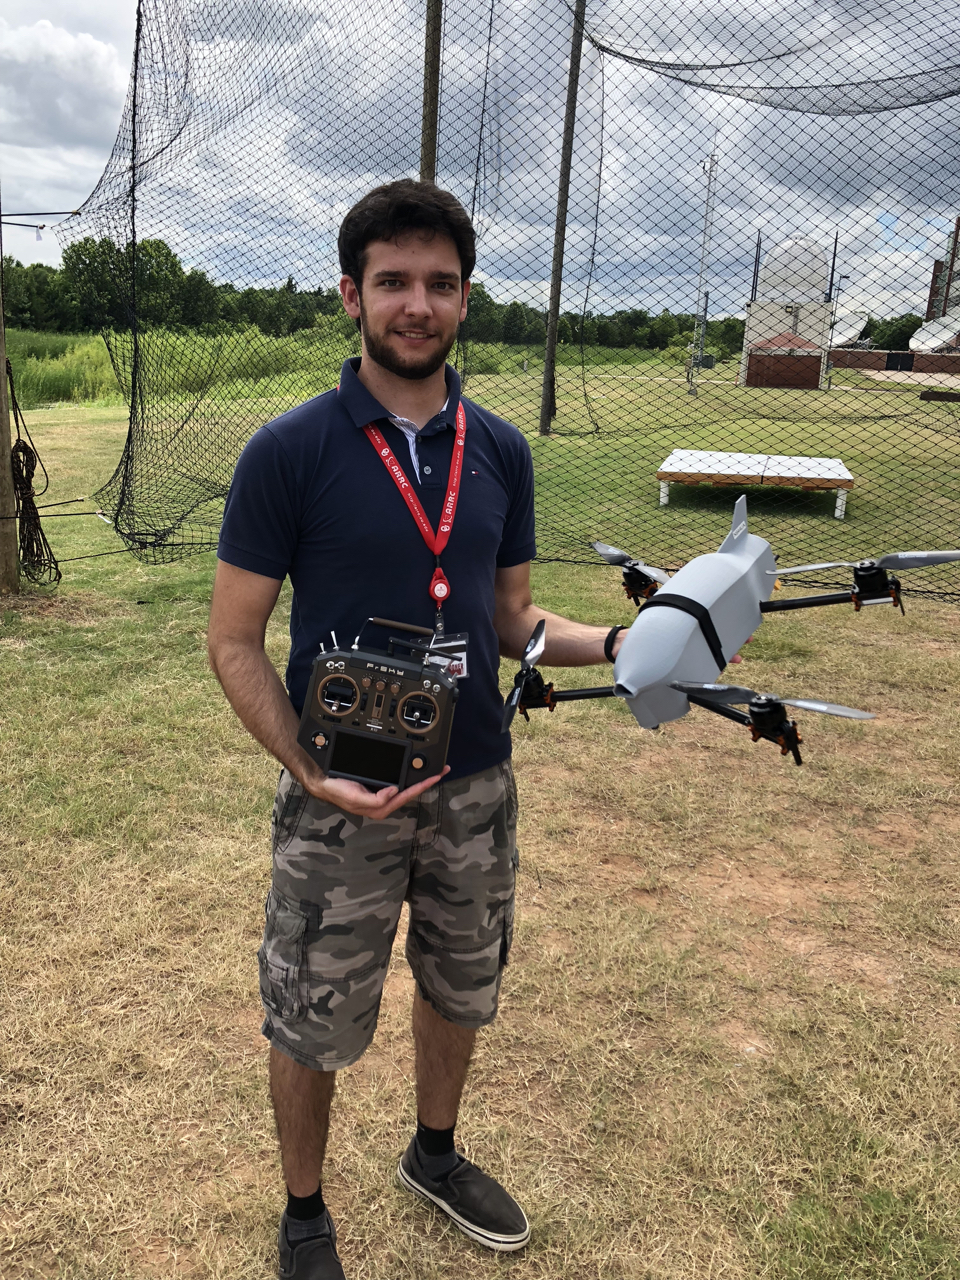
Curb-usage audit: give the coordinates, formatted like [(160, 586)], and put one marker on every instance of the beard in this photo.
[(383, 354)]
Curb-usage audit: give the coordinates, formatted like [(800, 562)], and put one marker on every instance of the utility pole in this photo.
[(548, 398), (431, 91), (9, 544), (700, 323)]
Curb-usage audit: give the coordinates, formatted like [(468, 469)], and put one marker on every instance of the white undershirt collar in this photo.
[(411, 431)]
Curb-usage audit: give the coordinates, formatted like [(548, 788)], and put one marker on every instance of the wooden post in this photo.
[(548, 397), (9, 543), (431, 91)]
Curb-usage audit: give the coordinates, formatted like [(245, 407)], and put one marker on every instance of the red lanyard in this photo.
[(439, 586)]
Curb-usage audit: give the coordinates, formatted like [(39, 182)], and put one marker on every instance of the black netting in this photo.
[(758, 255)]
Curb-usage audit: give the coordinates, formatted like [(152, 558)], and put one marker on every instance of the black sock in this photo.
[(306, 1216), (434, 1142), (435, 1150)]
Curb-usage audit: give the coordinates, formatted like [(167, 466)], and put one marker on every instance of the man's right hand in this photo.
[(355, 798), (242, 603)]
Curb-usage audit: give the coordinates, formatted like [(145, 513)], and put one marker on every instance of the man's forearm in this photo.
[(257, 695), (569, 643)]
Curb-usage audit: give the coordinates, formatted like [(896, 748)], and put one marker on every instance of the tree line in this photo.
[(95, 286)]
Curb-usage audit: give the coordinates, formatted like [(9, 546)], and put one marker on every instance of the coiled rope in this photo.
[(37, 561)]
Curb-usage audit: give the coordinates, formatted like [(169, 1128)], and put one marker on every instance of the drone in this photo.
[(682, 638)]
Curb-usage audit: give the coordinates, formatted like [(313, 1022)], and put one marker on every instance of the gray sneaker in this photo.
[(315, 1259), (477, 1204)]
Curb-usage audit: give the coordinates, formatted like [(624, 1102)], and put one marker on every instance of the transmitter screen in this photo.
[(365, 757)]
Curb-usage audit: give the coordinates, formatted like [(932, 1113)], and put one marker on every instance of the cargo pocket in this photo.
[(506, 939), (510, 793), (281, 957), (287, 811)]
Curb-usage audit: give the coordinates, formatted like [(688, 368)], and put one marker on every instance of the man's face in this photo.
[(411, 302)]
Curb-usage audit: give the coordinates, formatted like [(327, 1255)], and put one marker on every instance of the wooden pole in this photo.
[(548, 398), (9, 544), (431, 91)]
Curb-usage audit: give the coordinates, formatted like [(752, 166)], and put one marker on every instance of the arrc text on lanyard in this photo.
[(439, 586)]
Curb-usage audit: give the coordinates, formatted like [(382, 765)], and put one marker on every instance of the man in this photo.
[(312, 499)]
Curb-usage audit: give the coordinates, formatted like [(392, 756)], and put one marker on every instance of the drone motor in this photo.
[(769, 720)]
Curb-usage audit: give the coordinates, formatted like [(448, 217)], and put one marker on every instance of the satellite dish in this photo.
[(848, 328), (795, 270), (943, 332)]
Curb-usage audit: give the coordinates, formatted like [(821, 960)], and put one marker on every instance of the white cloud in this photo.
[(57, 87), (61, 95)]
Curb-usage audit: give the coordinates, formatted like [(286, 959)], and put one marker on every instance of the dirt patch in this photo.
[(74, 609), (835, 964), (161, 1258), (767, 891), (743, 1039), (234, 1030)]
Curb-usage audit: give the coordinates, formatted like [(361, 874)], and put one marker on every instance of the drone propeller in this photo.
[(531, 656), (731, 694), (895, 560), (613, 555)]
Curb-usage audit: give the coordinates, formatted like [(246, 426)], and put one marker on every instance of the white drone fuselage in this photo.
[(666, 643)]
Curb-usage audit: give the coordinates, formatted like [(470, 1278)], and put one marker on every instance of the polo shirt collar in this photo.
[(364, 408)]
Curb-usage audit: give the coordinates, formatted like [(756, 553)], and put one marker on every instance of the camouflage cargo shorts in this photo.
[(339, 883)]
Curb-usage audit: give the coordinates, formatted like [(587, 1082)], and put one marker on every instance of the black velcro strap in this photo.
[(608, 643), (664, 600)]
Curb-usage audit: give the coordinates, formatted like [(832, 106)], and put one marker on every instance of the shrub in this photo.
[(82, 372), (483, 358)]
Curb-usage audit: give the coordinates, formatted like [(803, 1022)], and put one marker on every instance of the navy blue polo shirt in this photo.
[(311, 499)]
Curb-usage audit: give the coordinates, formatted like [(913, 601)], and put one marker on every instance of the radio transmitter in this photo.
[(379, 719)]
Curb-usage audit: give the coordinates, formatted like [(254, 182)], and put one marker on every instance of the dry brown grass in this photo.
[(729, 1032)]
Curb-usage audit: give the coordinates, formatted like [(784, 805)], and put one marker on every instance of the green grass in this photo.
[(596, 473), (178, 368), (903, 453), (728, 1042)]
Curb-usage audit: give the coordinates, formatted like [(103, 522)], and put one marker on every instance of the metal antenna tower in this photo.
[(710, 166)]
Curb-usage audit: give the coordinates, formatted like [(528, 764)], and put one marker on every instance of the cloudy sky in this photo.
[(64, 66), (298, 106)]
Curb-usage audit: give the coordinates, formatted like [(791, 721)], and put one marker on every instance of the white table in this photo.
[(700, 466)]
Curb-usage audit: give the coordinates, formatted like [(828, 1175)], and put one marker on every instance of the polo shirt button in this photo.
[(428, 471)]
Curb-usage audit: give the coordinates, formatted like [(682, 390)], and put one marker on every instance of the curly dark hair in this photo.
[(388, 211)]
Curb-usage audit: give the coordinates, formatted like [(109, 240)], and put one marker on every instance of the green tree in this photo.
[(93, 276), (278, 317), (893, 334), (663, 329), (535, 333), (484, 322), (564, 330), (35, 297), (726, 335), (160, 280), (199, 299), (514, 323), (250, 306), (610, 333), (327, 302)]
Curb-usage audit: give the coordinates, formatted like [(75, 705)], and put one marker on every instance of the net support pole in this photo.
[(9, 545), (431, 91), (548, 398)]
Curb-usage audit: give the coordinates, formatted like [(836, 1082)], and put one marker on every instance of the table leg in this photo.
[(841, 504), (664, 492)]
